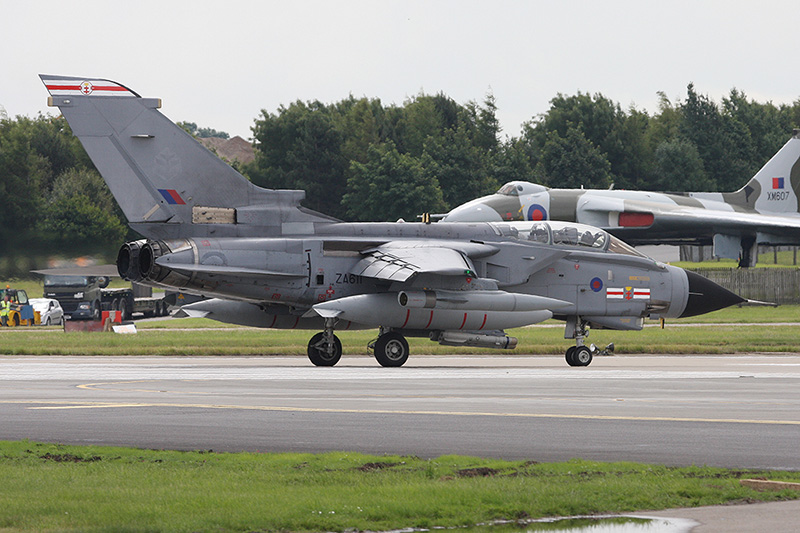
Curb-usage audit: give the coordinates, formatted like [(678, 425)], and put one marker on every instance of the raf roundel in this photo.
[(596, 284), (537, 212)]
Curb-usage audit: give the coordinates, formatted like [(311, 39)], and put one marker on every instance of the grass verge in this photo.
[(730, 338), (50, 487)]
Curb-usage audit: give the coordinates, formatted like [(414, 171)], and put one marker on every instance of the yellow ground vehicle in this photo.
[(21, 312)]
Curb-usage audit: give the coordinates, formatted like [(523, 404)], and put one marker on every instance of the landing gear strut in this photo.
[(578, 329), (391, 348), (325, 348)]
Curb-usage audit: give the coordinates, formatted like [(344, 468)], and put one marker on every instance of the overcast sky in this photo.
[(220, 63)]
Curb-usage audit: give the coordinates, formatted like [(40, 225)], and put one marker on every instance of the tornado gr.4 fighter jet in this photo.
[(266, 261), (765, 211)]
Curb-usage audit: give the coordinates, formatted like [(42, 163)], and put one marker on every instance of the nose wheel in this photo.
[(578, 355)]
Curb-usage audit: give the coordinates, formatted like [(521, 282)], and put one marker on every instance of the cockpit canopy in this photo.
[(517, 188), (565, 234)]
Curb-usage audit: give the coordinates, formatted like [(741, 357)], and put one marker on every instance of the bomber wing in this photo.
[(685, 222)]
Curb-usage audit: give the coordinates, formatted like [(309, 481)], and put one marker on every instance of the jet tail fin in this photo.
[(167, 184), (776, 187)]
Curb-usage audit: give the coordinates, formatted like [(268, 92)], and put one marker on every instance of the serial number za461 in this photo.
[(348, 278)]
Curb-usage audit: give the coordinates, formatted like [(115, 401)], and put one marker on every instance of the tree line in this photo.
[(361, 160)]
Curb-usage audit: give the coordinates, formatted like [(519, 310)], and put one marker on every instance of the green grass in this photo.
[(206, 337), (238, 341), (50, 487)]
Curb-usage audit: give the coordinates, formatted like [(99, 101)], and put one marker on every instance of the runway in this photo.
[(732, 411)]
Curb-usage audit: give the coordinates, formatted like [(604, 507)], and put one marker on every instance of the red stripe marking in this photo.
[(348, 325), (274, 319), (63, 87), (464, 321), (115, 88), (297, 321), (429, 320), (484, 322), (110, 88), (408, 314), (176, 196)]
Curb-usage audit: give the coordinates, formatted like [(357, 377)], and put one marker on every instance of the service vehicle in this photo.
[(50, 311), (86, 297), (21, 312)]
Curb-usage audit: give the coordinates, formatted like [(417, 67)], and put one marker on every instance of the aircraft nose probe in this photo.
[(706, 296)]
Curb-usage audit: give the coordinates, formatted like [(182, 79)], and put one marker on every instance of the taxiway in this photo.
[(733, 411)]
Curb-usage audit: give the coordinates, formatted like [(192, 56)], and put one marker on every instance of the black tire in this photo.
[(115, 304), (47, 321), (391, 349), (582, 356), (321, 357), (570, 356), (96, 311)]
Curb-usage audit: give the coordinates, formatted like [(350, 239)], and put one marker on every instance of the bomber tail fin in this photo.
[(776, 187), (167, 184)]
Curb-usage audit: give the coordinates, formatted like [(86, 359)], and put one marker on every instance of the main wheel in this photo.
[(319, 355), (391, 349), (582, 356), (570, 356)]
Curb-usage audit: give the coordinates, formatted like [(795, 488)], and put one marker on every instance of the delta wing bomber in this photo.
[(765, 211), (263, 260)]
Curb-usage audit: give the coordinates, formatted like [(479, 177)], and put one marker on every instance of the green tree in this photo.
[(23, 175), (300, 148), (573, 161), (390, 186), (458, 166), (678, 167), (768, 127), (78, 226), (82, 215), (621, 138)]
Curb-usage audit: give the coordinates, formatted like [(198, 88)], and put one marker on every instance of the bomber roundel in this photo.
[(537, 212), (596, 284)]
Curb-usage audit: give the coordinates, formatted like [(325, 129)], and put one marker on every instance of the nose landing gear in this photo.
[(578, 329)]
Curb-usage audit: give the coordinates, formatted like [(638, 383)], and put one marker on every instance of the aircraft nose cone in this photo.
[(706, 296)]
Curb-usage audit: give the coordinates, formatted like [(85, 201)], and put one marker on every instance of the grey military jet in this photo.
[(266, 261), (764, 211)]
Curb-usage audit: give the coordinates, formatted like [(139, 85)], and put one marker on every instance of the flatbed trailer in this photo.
[(125, 301)]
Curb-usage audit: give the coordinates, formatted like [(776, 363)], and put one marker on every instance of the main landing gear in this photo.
[(391, 348), (325, 348), (580, 354)]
